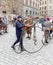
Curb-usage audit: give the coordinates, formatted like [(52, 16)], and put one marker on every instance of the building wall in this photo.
[(3, 6), (50, 8), (43, 7), (20, 7), (46, 9), (31, 7), (11, 6)]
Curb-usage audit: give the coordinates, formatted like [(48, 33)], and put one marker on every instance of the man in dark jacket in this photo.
[(19, 26)]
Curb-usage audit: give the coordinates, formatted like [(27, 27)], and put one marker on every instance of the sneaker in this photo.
[(46, 41), (13, 47), (27, 37), (23, 49), (0, 33), (6, 32)]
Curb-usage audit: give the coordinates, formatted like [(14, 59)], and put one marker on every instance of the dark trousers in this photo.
[(42, 27), (19, 39)]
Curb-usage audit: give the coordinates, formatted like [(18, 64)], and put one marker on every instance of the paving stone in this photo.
[(9, 57)]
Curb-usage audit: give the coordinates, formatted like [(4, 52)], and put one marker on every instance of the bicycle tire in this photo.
[(28, 50)]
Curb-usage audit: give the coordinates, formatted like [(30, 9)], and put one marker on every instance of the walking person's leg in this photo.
[(18, 38), (30, 32), (46, 36), (0, 30), (6, 29), (42, 27), (21, 43)]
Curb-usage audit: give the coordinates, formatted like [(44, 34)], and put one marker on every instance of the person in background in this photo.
[(29, 29), (19, 26), (5, 21), (42, 22), (1, 26), (48, 30), (14, 21)]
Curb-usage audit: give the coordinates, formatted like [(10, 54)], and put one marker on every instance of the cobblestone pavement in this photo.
[(9, 57)]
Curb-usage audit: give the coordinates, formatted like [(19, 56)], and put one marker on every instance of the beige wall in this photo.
[(49, 7), (10, 5), (33, 6), (19, 5), (43, 7)]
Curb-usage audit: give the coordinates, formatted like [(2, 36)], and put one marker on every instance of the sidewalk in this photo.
[(9, 57)]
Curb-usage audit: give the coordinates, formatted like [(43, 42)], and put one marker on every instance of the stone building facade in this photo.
[(50, 8), (11, 6), (20, 7), (43, 7), (31, 7), (46, 8)]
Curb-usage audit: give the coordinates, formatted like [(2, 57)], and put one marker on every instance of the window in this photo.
[(45, 7), (14, 11), (42, 2), (33, 13), (40, 8), (42, 12), (38, 5), (45, 2), (50, 7), (26, 12), (33, 3), (30, 12), (5, 0), (0, 4), (4, 12), (45, 12), (30, 2), (26, 2)]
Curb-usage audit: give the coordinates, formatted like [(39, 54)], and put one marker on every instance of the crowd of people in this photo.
[(20, 25), (26, 25), (47, 27)]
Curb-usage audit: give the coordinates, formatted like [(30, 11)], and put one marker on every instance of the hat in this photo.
[(48, 18), (19, 17)]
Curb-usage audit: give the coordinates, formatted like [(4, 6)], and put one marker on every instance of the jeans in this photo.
[(19, 39)]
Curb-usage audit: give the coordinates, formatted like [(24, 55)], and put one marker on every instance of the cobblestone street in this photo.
[(9, 57)]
